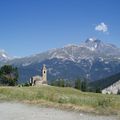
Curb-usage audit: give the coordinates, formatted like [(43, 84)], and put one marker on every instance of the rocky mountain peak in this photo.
[(94, 43), (93, 40), (3, 55)]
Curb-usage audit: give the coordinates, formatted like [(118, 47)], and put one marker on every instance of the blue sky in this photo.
[(33, 26)]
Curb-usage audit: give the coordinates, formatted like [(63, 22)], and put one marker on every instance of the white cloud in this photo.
[(102, 27)]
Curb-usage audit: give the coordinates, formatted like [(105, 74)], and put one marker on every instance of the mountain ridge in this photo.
[(92, 59)]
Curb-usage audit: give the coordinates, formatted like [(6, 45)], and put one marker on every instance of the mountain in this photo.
[(105, 82), (4, 56), (92, 59)]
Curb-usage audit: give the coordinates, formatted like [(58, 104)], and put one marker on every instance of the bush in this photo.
[(59, 83), (104, 103), (98, 90)]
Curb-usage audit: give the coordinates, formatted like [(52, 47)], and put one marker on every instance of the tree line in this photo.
[(80, 84)]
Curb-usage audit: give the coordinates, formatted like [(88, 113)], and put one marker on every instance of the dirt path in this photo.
[(16, 111)]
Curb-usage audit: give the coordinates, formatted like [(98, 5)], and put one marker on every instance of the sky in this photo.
[(33, 26)]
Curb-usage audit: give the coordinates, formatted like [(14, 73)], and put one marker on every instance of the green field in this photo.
[(63, 98)]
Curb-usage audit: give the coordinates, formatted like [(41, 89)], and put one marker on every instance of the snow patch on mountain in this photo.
[(26, 64), (4, 56)]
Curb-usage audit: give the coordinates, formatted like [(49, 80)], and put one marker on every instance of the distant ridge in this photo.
[(92, 59), (105, 82)]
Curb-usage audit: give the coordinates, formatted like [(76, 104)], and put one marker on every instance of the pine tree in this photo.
[(8, 75), (78, 84)]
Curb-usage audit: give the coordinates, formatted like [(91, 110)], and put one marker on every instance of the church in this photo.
[(39, 80)]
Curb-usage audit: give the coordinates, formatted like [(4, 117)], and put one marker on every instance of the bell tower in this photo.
[(44, 73)]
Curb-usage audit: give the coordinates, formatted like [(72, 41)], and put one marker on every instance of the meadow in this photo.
[(63, 98)]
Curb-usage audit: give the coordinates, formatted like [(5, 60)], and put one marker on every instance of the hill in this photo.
[(105, 82)]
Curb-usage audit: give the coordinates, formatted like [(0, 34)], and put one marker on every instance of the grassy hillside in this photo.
[(67, 98)]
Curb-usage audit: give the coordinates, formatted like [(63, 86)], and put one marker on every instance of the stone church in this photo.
[(39, 80)]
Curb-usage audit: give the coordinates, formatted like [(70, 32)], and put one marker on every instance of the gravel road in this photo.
[(17, 111)]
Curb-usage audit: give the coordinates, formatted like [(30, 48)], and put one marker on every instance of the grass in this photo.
[(66, 98)]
